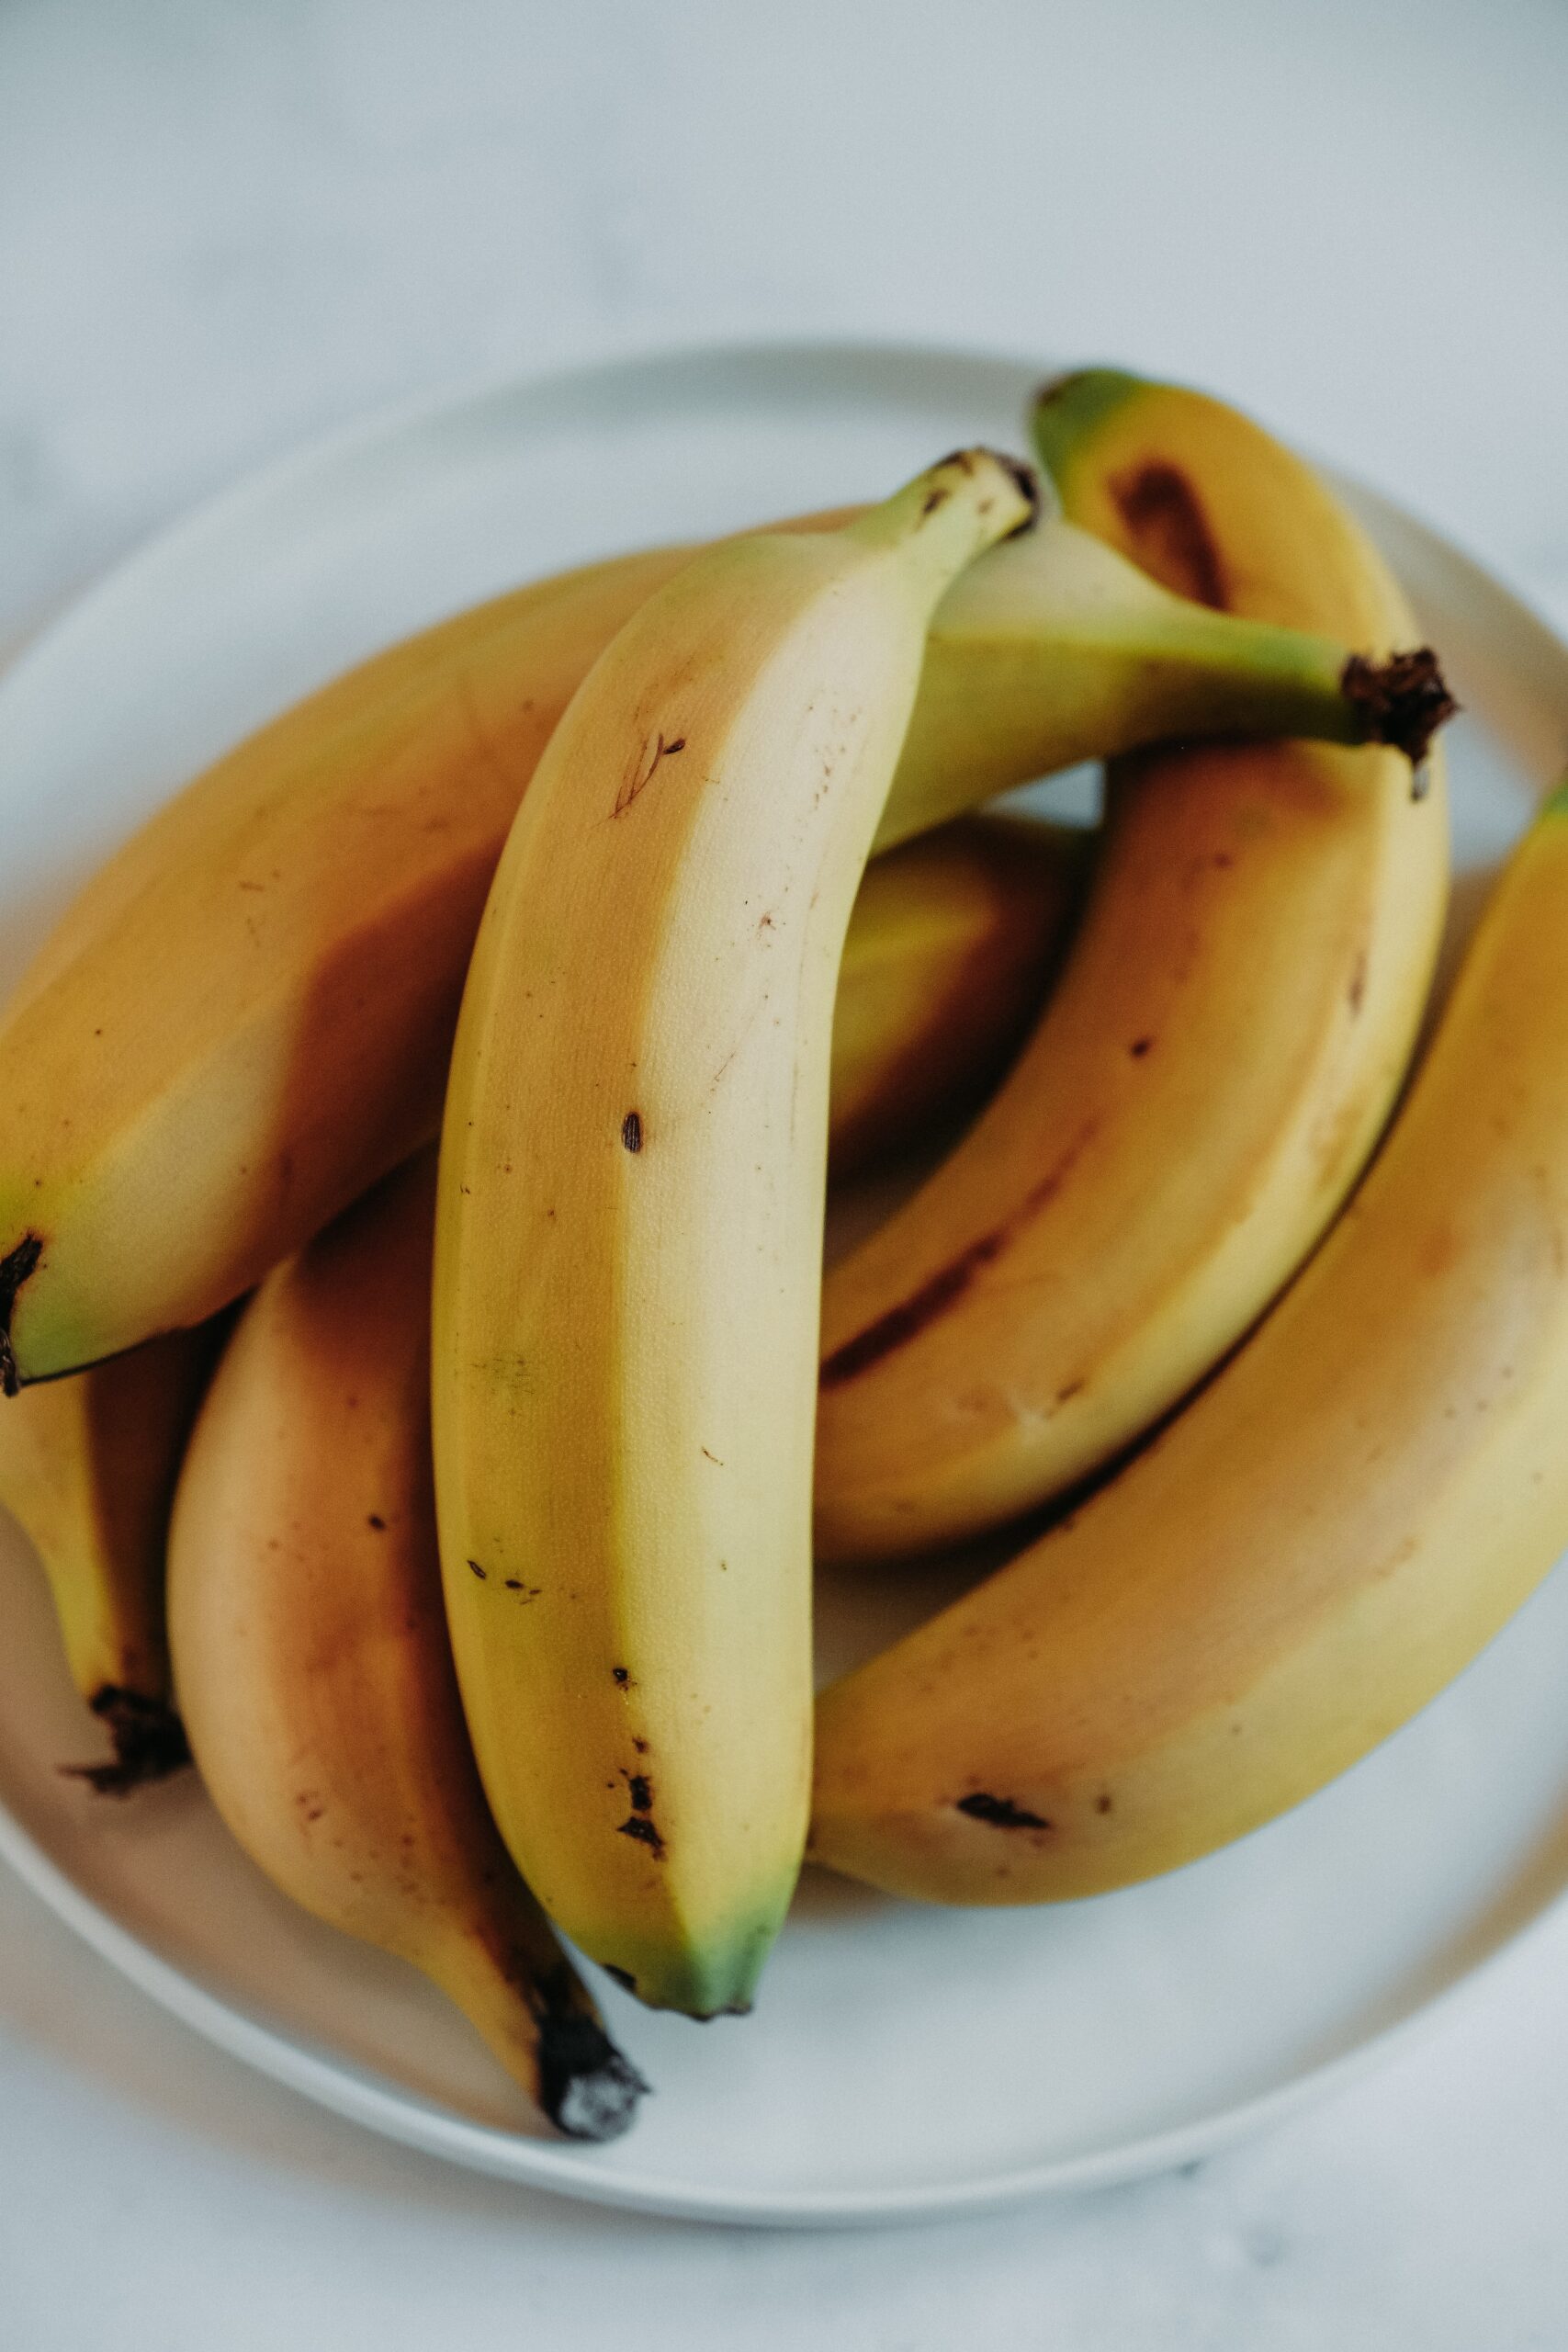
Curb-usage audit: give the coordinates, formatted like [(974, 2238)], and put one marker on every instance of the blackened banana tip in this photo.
[(586, 2087), (14, 1268), (149, 1743)]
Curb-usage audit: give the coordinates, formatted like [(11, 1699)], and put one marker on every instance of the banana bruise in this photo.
[(1215, 1062), (1324, 1539), (314, 1666), (88, 1468), (246, 1017), (629, 1232)]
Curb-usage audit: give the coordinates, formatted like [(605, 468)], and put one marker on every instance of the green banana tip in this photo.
[(1103, 383), (1068, 409), (1401, 702)]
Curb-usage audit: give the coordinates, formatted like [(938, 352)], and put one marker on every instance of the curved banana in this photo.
[(313, 1662), (1325, 1537), (951, 945), (87, 1467), (246, 1017), (630, 1227), (1212, 1069)]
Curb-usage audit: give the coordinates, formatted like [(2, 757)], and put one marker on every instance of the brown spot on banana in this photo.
[(1001, 1812), (1170, 533), (640, 774), (639, 1826)]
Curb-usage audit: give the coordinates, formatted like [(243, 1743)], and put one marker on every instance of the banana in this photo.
[(1325, 1536), (630, 1231), (246, 1017), (311, 1656), (1214, 1063), (87, 1467), (949, 949)]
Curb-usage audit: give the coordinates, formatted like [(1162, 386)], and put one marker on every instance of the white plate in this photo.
[(903, 2061)]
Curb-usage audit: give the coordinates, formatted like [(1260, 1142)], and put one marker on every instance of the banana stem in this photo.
[(1401, 701), (963, 503)]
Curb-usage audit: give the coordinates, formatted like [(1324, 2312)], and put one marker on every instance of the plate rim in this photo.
[(417, 412), (335, 2082), (562, 2168)]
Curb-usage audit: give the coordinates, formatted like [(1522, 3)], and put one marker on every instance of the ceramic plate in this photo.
[(903, 2061)]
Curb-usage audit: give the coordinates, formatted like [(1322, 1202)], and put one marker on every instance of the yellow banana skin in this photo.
[(951, 945), (1213, 1067), (246, 1017), (312, 1661), (1335, 1527), (630, 1227), (87, 1467)]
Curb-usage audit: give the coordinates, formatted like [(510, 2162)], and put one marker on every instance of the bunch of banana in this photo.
[(1213, 1067), (499, 1571), (1335, 1526), (246, 1018), (311, 1658)]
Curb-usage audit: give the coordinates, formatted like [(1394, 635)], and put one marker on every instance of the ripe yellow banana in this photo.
[(1334, 1527), (313, 1662), (949, 947), (630, 1226), (87, 1467), (1214, 1063), (246, 1017)]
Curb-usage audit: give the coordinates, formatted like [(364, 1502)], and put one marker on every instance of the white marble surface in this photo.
[(227, 223)]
